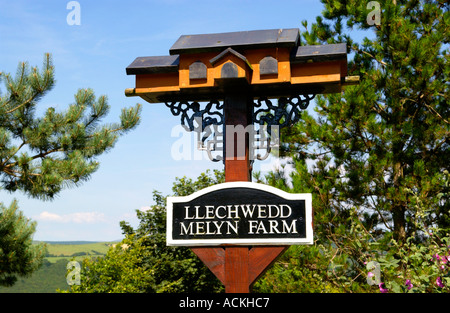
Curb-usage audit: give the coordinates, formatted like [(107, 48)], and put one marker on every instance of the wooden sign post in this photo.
[(229, 71), (238, 267)]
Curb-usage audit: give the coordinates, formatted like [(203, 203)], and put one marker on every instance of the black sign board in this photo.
[(240, 213)]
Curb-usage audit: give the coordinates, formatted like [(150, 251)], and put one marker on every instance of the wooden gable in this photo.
[(231, 64)]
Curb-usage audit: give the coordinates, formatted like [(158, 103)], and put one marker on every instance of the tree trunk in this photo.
[(399, 207), (398, 216)]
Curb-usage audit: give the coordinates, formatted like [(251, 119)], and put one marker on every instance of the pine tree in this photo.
[(18, 255), (42, 155), (376, 156), (385, 142)]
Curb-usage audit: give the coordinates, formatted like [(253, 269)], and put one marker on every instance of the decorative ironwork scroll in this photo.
[(215, 144), (285, 113), (272, 118), (191, 114), (268, 118), (264, 139), (204, 122)]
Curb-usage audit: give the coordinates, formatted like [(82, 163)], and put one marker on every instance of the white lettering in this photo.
[(252, 225), (235, 211), (290, 230), (209, 211), (208, 228), (186, 230), (261, 211), (235, 228), (261, 219), (219, 226), (191, 303), (270, 206), (247, 213), (261, 228), (217, 211), (273, 227), (186, 209), (200, 228), (282, 206), (197, 215)]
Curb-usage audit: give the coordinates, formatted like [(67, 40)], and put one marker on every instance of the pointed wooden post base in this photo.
[(238, 267)]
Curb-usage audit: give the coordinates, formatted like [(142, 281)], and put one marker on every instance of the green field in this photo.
[(75, 250), (52, 274)]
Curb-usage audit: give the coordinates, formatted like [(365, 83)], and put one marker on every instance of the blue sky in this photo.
[(94, 55)]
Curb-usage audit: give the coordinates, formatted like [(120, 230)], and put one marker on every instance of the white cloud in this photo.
[(47, 216), (145, 208), (79, 217)]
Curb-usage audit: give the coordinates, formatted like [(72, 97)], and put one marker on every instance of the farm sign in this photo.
[(239, 213), (227, 81)]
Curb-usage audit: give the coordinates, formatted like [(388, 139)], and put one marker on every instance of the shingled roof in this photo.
[(152, 65), (256, 39), (237, 42), (318, 53)]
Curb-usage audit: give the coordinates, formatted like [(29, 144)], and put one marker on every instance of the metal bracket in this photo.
[(191, 114), (206, 122), (272, 118), (286, 113), (201, 121), (265, 139)]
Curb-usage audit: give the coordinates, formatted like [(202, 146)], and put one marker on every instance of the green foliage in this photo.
[(40, 156), (143, 263), (18, 256), (185, 186), (389, 135), (120, 270), (426, 267), (376, 156), (303, 269)]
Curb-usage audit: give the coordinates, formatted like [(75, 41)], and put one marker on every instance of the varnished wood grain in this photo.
[(214, 259)]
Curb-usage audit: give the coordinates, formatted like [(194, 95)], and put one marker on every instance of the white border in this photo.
[(308, 240)]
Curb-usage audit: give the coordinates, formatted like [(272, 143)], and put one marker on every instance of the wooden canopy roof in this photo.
[(315, 69)]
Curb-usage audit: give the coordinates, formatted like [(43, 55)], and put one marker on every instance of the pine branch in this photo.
[(436, 113), (12, 154), (47, 83), (72, 134), (384, 64)]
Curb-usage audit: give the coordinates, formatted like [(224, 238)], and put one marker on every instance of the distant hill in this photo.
[(52, 274), (65, 249), (81, 242)]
